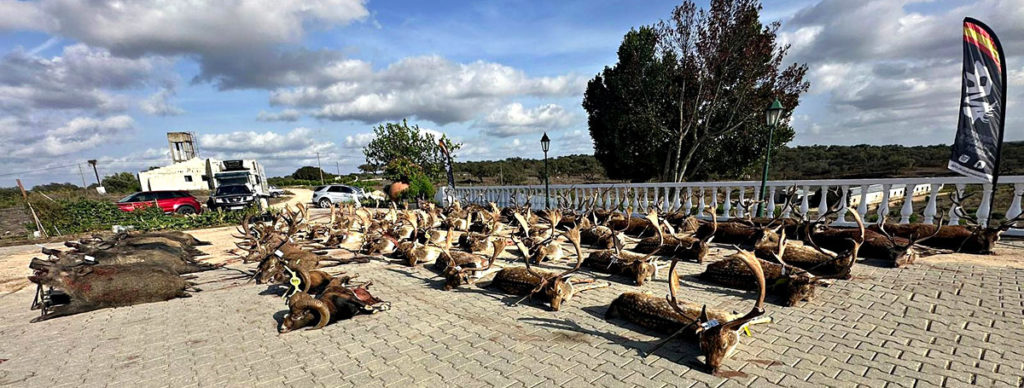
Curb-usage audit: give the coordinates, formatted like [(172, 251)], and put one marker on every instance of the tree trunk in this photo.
[(681, 165)]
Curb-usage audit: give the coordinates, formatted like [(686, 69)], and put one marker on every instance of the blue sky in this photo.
[(282, 80)]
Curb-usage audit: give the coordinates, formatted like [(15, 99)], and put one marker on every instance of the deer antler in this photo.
[(958, 208)]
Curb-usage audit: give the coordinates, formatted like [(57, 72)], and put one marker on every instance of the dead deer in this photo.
[(877, 244), (719, 333), (821, 262), (716, 331), (688, 248), (338, 301), (619, 262), (554, 288), (794, 284), (465, 269), (972, 238)]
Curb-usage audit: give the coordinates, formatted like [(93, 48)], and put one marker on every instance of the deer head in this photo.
[(984, 237), (843, 261), (456, 276), (557, 288), (718, 340)]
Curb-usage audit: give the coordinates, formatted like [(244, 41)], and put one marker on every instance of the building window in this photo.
[(206, 178), (188, 178)]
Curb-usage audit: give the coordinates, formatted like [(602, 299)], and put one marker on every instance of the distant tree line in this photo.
[(888, 161), (518, 171), (790, 163)]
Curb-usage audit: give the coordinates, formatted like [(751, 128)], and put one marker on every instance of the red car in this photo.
[(180, 202)]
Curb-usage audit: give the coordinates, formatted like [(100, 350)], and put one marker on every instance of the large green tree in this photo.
[(629, 107), (122, 182), (692, 101), (401, 142), (310, 173)]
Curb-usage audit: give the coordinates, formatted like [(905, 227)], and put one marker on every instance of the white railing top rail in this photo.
[(887, 196), (817, 182)]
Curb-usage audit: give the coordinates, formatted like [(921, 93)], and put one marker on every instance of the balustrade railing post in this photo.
[(701, 205), (689, 201), (1015, 206), (727, 203), (986, 205), (883, 207), (804, 206), (823, 201), (739, 209), (930, 208), (771, 202), (841, 217), (908, 203), (954, 216)]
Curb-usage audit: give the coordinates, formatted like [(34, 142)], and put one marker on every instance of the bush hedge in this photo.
[(88, 215)]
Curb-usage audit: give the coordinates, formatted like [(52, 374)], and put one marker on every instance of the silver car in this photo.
[(325, 196)]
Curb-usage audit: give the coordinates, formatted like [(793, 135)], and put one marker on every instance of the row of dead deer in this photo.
[(122, 270)]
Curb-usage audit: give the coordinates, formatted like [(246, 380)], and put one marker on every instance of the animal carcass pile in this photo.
[(123, 270), (289, 251)]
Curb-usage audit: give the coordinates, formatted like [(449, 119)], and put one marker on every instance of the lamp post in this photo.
[(772, 116), (545, 144)]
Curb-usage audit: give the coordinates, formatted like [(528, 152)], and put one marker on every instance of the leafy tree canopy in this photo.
[(394, 141), (122, 182), (686, 99)]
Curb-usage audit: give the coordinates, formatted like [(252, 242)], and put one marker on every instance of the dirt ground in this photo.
[(14, 259)]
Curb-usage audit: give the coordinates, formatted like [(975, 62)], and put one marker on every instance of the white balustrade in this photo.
[(692, 197)]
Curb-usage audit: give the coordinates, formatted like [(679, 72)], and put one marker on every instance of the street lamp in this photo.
[(772, 116), (545, 144)]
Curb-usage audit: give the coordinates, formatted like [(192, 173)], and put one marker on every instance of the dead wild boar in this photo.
[(93, 287)]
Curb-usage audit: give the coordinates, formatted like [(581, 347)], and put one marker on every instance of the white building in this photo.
[(896, 192), (205, 174)]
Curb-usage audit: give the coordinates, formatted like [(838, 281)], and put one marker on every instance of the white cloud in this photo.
[(284, 115), (78, 79), (279, 152), (238, 43), (513, 119), (23, 15), (887, 71), (428, 88), (77, 135), (359, 140), (158, 104)]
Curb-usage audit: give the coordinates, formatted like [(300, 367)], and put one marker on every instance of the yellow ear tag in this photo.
[(746, 329)]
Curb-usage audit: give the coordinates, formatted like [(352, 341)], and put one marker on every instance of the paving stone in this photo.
[(930, 324)]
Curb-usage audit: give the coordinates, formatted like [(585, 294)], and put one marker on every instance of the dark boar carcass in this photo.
[(170, 258), (93, 287)]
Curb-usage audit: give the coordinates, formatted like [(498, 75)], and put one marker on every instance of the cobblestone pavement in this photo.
[(937, 323)]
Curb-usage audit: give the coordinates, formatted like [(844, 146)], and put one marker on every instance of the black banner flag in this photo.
[(979, 135), (448, 166)]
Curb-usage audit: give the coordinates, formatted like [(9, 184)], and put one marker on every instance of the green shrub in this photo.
[(419, 188), (88, 215), (121, 183)]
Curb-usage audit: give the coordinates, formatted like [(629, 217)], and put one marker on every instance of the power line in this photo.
[(38, 169)]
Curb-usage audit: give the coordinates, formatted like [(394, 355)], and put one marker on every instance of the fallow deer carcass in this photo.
[(465, 268), (716, 331), (338, 301), (554, 288), (973, 238), (792, 283)]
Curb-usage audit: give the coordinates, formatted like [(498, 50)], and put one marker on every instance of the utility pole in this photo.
[(81, 173), (318, 167), (95, 171), (338, 164), (39, 225)]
